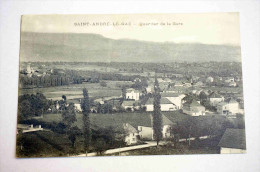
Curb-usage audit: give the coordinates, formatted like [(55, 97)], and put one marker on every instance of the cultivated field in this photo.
[(75, 90)]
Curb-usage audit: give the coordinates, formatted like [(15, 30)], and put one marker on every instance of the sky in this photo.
[(206, 28)]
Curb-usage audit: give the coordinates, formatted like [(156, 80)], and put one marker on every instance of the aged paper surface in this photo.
[(139, 84)]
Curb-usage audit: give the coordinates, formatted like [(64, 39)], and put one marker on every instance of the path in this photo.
[(125, 149), (130, 148)]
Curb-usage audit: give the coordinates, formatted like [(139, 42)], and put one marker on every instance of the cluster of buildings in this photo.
[(172, 101), (174, 97)]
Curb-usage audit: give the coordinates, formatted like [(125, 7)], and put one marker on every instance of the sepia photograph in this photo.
[(130, 84)]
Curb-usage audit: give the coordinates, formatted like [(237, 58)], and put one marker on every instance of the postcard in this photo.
[(130, 84)]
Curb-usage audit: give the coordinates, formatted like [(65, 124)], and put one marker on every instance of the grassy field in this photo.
[(117, 119), (171, 151), (88, 67), (46, 144), (207, 146), (75, 90)]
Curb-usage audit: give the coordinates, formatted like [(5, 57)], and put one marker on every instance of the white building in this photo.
[(166, 105), (24, 128), (229, 79), (193, 108), (148, 89), (146, 132), (178, 84), (228, 107), (132, 134), (215, 99), (210, 79), (132, 94), (174, 98), (232, 84), (199, 84)]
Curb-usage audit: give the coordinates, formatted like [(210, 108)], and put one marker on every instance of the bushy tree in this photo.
[(68, 118), (32, 105), (73, 132), (107, 138)]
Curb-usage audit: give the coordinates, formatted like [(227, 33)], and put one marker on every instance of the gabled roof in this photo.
[(178, 83), (162, 101), (75, 101), (166, 121), (215, 95), (129, 90), (233, 138), (193, 103), (129, 102), (222, 103), (118, 120), (129, 128), (169, 94), (231, 100)]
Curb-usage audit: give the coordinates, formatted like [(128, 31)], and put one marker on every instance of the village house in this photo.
[(174, 98), (148, 89), (233, 141), (232, 84), (160, 80), (228, 107), (193, 108), (146, 132), (130, 104), (187, 84), (132, 135), (163, 86), (77, 104), (199, 84), (215, 99), (210, 79), (166, 105), (24, 128), (135, 127), (178, 84), (132, 94), (229, 79), (171, 90)]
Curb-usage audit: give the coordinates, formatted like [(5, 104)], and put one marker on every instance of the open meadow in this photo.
[(73, 91)]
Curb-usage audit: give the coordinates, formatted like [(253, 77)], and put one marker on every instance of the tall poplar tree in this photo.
[(157, 116), (85, 106)]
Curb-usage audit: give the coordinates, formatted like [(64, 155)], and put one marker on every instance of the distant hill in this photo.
[(94, 48)]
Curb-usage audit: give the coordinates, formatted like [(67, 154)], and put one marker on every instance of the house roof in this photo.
[(222, 103), (119, 120), (129, 128), (231, 100), (75, 101), (233, 138), (129, 90), (215, 95), (128, 103), (178, 83), (169, 94), (166, 121), (162, 101), (193, 103)]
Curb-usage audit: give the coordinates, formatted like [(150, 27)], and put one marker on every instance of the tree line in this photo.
[(43, 81)]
